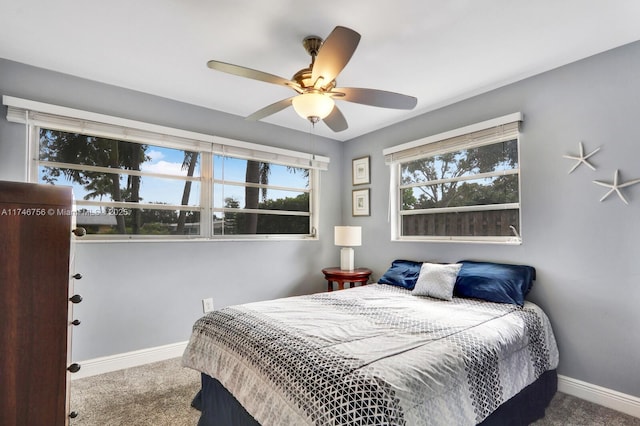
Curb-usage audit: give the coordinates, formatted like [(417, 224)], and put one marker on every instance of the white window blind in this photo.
[(101, 125), (487, 132)]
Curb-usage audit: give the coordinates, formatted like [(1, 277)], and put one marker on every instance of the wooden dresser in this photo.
[(35, 304)]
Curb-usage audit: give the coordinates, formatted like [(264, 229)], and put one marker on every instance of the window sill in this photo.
[(513, 241), (155, 239)]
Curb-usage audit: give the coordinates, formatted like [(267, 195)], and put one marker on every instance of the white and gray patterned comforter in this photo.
[(372, 355)]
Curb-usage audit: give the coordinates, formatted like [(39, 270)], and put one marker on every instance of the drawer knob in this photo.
[(79, 232), (75, 322), (74, 368), (77, 276), (76, 298)]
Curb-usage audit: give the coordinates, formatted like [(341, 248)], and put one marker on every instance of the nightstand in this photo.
[(341, 276)]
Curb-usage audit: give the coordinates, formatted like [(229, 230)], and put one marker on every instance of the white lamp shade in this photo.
[(348, 236), (313, 105)]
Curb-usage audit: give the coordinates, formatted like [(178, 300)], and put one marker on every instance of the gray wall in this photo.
[(585, 251), (145, 294)]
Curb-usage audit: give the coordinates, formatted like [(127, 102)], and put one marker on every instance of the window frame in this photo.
[(37, 115), (454, 140)]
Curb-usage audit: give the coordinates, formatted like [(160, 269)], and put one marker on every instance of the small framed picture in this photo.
[(360, 206), (360, 172)]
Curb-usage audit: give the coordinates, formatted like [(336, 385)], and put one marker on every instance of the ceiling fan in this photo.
[(316, 85)]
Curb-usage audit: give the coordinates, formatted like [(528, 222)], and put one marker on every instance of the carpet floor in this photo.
[(160, 394)]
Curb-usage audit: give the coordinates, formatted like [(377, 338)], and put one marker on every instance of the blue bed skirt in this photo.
[(219, 408)]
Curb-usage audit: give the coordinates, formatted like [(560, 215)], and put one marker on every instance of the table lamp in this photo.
[(347, 237)]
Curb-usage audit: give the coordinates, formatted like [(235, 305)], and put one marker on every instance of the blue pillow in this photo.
[(402, 273), (495, 282)]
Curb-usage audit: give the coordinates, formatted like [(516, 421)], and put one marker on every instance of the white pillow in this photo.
[(437, 280)]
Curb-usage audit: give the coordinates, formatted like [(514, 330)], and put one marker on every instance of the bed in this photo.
[(379, 354)]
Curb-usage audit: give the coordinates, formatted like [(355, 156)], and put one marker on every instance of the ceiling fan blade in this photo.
[(334, 54), (335, 120), (271, 109), (374, 97), (253, 74)]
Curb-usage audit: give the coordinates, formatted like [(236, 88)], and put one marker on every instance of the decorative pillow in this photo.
[(402, 273), (437, 280), (495, 282)]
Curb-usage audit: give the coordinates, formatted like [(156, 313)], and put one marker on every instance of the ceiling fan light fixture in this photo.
[(313, 106), (314, 85)]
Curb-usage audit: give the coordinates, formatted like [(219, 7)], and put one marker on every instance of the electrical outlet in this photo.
[(207, 305)]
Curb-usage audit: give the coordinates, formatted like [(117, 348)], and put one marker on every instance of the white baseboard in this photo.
[(609, 398), (116, 362), (598, 395)]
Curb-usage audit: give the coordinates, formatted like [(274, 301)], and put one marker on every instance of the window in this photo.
[(252, 197), (462, 185), (136, 180), (123, 188)]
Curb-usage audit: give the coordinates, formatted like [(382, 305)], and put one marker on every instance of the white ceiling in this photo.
[(438, 51)]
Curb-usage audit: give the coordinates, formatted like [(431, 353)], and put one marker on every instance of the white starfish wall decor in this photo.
[(615, 186), (581, 158)]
